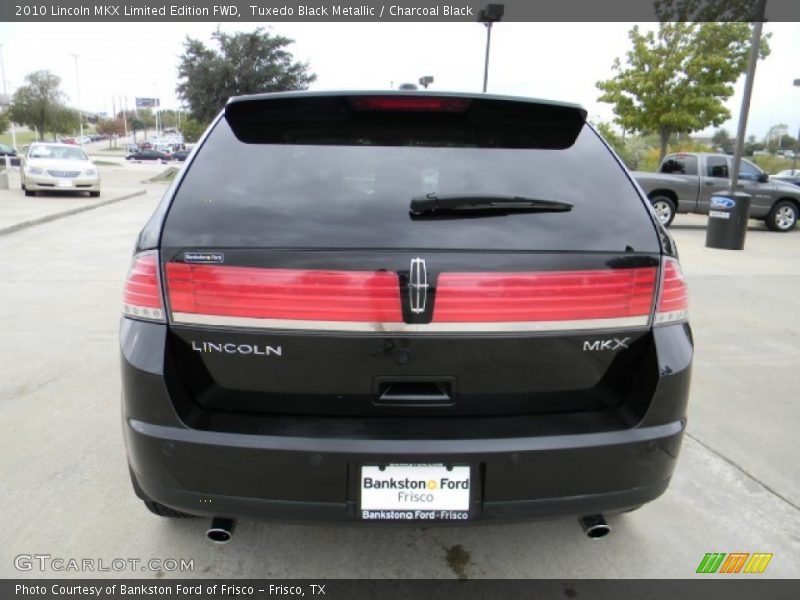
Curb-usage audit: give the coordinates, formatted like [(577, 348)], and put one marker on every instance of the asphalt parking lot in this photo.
[(64, 483)]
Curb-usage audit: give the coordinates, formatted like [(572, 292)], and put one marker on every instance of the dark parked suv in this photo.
[(409, 306)]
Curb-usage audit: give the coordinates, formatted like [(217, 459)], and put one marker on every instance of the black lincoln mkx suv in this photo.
[(408, 307)]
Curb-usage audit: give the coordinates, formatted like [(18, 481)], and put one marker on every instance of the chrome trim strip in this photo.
[(180, 318)]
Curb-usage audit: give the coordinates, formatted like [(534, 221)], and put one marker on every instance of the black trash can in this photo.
[(727, 220)]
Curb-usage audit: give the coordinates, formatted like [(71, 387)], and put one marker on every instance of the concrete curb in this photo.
[(66, 213)]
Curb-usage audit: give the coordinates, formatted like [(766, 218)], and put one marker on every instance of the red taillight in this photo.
[(142, 294), (673, 303), (545, 296), (409, 103), (283, 294)]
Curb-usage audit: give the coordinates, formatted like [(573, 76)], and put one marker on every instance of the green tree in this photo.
[(64, 121), (168, 118), (787, 142), (191, 130), (112, 128), (778, 139), (39, 102), (245, 63), (137, 124), (617, 142), (4, 121), (722, 139), (751, 145), (676, 79), (148, 117), (705, 10)]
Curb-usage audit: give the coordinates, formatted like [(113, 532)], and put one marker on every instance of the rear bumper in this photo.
[(276, 477), (305, 469)]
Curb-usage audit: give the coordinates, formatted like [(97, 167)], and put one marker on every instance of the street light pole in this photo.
[(486, 61), (755, 44), (78, 89), (5, 93), (488, 16)]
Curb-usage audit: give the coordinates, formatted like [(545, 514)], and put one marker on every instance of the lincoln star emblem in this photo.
[(417, 285)]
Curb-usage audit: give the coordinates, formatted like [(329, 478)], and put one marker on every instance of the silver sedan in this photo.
[(51, 167)]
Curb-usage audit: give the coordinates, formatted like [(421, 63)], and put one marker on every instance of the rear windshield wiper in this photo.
[(481, 204)]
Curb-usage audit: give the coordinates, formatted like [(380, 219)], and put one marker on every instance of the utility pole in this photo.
[(797, 142), (78, 88), (125, 114), (5, 93)]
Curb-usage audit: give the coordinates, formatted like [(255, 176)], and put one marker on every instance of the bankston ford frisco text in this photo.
[(405, 496), (423, 492)]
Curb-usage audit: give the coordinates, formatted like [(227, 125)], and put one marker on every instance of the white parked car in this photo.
[(52, 167)]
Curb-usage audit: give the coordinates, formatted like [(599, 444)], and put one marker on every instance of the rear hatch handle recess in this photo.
[(478, 204)]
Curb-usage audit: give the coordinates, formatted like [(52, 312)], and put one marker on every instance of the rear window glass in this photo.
[(716, 166), (681, 165), (269, 195)]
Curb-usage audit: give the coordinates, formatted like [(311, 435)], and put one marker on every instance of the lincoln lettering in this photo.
[(231, 348)]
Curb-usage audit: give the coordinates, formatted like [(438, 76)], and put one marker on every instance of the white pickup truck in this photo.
[(686, 181)]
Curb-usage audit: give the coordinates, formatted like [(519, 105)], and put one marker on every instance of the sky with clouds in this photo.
[(560, 61)]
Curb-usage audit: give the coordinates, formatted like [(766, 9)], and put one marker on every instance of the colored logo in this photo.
[(722, 202), (735, 562)]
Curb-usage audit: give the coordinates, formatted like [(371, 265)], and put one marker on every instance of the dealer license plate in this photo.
[(415, 492)]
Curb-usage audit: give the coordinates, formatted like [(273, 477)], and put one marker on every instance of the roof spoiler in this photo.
[(404, 119)]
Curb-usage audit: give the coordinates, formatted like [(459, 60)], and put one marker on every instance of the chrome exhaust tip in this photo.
[(594, 526), (221, 530)]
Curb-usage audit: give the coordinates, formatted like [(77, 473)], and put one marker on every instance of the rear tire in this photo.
[(664, 208), (782, 216), (165, 511)]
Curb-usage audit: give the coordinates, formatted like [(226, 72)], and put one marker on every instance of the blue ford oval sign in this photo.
[(722, 202)]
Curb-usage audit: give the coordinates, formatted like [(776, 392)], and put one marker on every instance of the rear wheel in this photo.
[(782, 216), (165, 511), (664, 208)]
